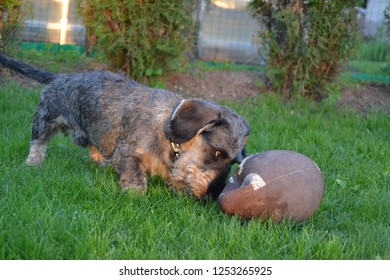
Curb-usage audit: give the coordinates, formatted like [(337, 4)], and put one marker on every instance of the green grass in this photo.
[(370, 63), (217, 66), (367, 67), (71, 209), (372, 50), (55, 60)]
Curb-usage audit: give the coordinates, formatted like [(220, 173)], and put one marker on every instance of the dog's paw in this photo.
[(34, 160), (139, 189), (96, 156), (37, 153)]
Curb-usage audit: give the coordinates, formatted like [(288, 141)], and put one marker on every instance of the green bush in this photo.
[(142, 38), (305, 42), (12, 15)]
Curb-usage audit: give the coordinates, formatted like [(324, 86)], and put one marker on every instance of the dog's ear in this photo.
[(190, 118)]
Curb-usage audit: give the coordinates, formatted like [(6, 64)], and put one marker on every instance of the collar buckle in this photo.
[(176, 149)]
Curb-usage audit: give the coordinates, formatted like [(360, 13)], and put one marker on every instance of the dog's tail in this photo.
[(27, 70)]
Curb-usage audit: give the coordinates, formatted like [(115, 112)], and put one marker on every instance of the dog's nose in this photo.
[(238, 159), (240, 156)]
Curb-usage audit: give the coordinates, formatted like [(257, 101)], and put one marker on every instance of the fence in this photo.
[(373, 16), (55, 21), (227, 31)]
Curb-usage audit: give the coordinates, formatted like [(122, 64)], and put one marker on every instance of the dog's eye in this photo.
[(218, 154)]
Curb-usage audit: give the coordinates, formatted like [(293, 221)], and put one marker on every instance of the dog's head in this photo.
[(211, 139)]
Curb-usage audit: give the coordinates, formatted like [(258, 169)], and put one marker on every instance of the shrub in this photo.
[(305, 42), (142, 38), (12, 15)]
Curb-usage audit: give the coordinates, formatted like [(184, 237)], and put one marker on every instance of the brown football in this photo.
[(274, 185)]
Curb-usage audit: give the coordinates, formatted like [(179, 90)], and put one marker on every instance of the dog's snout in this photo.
[(239, 157)]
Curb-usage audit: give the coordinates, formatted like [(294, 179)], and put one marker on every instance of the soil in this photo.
[(237, 85), (366, 98), (225, 85), (217, 85)]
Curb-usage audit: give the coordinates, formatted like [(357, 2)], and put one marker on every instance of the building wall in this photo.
[(46, 24), (228, 32), (374, 16)]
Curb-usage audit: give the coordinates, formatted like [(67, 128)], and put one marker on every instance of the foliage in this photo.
[(305, 42), (12, 15), (142, 38)]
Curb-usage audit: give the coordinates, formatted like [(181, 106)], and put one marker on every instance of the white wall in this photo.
[(374, 16)]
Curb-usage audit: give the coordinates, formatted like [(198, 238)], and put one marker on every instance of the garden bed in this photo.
[(227, 85), (230, 85)]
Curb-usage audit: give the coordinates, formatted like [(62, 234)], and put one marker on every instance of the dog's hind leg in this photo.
[(45, 126), (37, 152)]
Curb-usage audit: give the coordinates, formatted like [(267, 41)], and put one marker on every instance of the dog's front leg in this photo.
[(131, 175), (96, 156)]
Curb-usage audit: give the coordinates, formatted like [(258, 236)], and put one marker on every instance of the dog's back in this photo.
[(88, 105), (92, 107)]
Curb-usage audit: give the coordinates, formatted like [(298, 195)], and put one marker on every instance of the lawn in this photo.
[(71, 209)]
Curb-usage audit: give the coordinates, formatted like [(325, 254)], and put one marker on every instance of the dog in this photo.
[(140, 131)]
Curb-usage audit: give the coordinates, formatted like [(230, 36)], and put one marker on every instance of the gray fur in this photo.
[(131, 127), (27, 70)]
